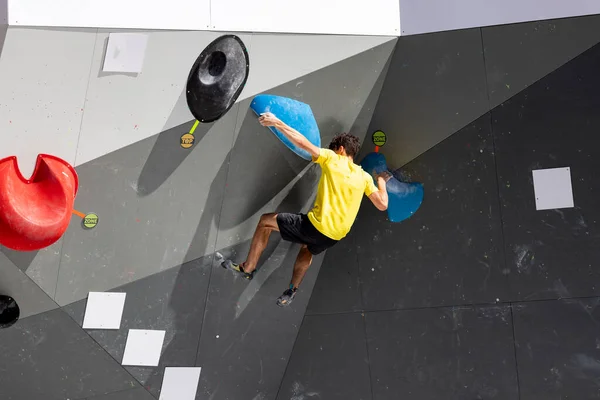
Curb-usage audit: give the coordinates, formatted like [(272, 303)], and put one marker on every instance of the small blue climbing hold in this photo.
[(293, 113), (404, 199)]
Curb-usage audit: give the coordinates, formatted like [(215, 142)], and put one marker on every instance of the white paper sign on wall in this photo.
[(104, 310), (180, 383), (143, 347), (125, 52), (552, 188)]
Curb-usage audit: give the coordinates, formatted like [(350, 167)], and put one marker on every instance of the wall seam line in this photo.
[(75, 159), (217, 235), (85, 98)]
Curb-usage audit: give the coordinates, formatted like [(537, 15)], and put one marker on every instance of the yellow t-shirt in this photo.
[(339, 195)]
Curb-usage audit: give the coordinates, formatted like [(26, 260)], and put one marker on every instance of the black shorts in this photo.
[(297, 228)]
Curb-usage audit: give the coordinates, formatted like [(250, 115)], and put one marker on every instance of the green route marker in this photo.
[(90, 221), (379, 138)]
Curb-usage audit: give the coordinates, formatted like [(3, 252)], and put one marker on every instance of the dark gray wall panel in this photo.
[(133, 394), (329, 360), (49, 357), (449, 353), (553, 123), (338, 286), (477, 238), (558, 349), (518, 55), (171, 300), (450, 251), (435, 85), (246, 338)]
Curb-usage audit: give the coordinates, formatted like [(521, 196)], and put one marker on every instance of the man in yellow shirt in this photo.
[(339, 196)]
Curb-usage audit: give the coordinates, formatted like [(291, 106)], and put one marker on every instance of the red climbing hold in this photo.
[(35, 212)]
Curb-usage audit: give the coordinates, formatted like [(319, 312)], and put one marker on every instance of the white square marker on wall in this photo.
[(143, 348), (125, 52), (553, 188), (104, 310), (180, 383)]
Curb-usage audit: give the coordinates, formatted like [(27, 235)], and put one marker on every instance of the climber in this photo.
[(338, 200)]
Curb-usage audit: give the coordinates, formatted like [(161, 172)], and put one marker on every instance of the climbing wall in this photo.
[(164, 210), (438, 83), (490, 290)]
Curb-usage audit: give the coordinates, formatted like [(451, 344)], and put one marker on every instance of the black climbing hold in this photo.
[(217, 78), (9, 311)]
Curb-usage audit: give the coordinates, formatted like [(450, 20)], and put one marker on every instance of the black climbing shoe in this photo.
[(287, 297), (228, 264)]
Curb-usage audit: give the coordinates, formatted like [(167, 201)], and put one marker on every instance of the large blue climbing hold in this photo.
[(293, 113), (404, 199)]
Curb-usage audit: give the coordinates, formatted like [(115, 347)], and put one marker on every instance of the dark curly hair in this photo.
[(350, 143)]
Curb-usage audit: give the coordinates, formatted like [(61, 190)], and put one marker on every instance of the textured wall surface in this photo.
[(164, 210), (174, 205), (44, 79), (478, 295), (438, 83), (54, 86)]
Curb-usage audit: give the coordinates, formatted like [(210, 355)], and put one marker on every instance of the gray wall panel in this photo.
[(13, 282), (262, 169), (123, 108), (41, 266), (435, 85), (161, 206), (246, 338), (158, 206), (43, 95), (518, 55), (438, 83), (51, 358)]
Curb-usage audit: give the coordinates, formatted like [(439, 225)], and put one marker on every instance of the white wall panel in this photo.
[(345, 17), (349, 17), (43, 80), (423, 16), (122, 109), (131, 14), (358, 17)]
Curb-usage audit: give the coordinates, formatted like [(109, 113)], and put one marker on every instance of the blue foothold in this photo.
[(404, 198)]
